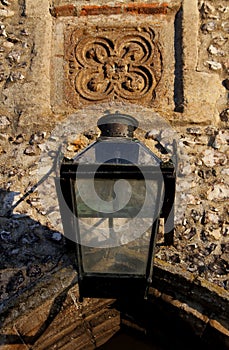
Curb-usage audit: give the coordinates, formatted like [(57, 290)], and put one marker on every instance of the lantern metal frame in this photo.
[(114, 285)]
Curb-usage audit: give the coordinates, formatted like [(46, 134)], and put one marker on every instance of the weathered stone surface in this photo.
[(126, 65), (199, 85), (189, 75), (130, 71)]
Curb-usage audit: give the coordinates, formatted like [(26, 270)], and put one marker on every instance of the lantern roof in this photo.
[(117, 144), (116, 150)]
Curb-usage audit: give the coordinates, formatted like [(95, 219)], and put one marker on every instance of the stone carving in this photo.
[(108, 64)]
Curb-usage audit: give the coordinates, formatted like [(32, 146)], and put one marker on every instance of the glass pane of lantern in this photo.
[(125, 152), (130, 258), (115, 219), (115, 197)]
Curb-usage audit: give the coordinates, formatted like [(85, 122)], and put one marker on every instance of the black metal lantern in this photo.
[(111, 196)]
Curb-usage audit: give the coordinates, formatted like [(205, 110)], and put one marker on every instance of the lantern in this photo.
[(111, 197)]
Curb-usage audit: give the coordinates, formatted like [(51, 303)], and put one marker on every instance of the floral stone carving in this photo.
[(108, 64)]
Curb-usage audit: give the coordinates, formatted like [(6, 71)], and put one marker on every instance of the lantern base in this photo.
[(113, 287)]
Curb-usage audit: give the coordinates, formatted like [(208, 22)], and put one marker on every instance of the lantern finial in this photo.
[(117, 125)]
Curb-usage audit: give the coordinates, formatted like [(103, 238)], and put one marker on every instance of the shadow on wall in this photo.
[(29, 251), (178, 73)]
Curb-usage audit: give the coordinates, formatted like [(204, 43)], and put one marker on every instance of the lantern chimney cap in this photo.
[(117, 125)]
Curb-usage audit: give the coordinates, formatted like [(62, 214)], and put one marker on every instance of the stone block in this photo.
[(127, 60)]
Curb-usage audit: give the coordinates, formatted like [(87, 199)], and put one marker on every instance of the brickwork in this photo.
[(95, 10)]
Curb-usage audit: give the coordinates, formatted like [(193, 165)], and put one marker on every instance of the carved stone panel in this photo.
[(105, 64)]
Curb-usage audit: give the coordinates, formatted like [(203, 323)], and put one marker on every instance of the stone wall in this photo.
[(57, 60)]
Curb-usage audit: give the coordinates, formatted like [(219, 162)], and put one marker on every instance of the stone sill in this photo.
[(53, 302), (202, 304)]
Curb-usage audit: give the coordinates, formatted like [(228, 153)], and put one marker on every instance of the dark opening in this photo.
[(130, 340)]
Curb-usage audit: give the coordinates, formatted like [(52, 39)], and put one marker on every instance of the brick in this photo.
[(64, 11), (146, 9), (94, 10)]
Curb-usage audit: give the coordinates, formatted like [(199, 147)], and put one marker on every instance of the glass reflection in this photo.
[(129, 258)]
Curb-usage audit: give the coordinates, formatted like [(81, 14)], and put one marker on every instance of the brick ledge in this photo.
[(106, 10)]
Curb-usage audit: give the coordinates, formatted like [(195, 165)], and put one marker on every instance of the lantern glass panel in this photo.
[(119, 197), (117, 151), (114, 219), (130, 258)]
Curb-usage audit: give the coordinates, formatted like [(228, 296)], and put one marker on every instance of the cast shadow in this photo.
[(28, 252), (178, 72)]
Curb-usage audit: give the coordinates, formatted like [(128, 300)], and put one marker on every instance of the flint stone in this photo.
[(216, 234), (212, 158), (209, 27), (224, 115), (4, 121), (214, 65), (219, 192), (6, 13), (225, 171), (213, 50), (6, 201), (212, 217)]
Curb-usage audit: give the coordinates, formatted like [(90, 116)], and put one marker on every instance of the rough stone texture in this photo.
[(38, 279), (26, 55), (126, 65), (203, 90), (132, 71)]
